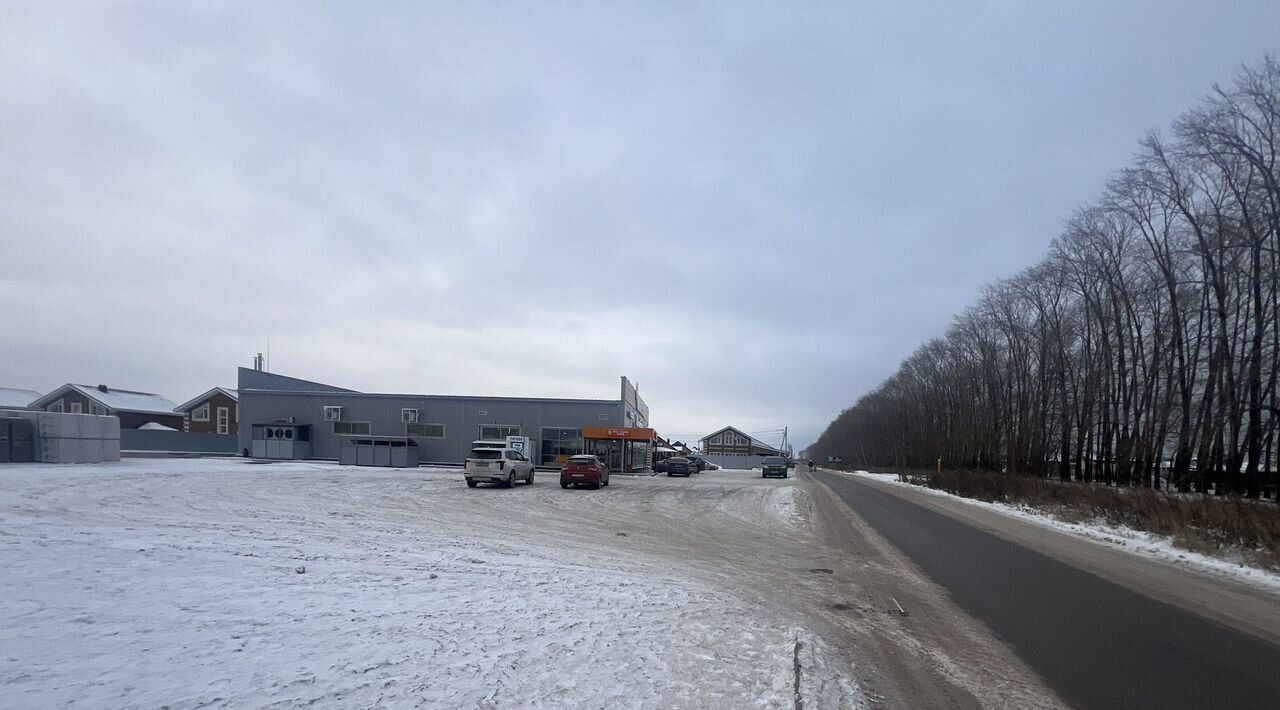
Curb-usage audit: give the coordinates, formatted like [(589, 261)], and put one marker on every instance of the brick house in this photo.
[(214, 412), (734, 442), (136, 410)]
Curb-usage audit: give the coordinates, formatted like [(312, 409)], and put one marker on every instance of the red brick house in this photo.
[(734, 442), (214, 412)]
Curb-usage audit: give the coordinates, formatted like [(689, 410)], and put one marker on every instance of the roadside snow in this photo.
[(197, 583), (1135, 541)]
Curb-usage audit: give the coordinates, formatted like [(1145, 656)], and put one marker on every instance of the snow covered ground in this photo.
[(223, 583), (1135, 541)]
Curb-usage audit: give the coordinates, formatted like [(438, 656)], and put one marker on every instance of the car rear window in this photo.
[(582, 459), (490, 454)]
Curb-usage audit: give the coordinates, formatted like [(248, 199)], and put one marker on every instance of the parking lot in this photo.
[(195, 582)]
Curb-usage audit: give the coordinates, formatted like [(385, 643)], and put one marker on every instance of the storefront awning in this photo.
[(624, 433)]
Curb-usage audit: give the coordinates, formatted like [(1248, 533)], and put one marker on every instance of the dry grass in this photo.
[(1231, 527)]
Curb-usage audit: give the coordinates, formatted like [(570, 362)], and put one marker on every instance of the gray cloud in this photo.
[(754, 211)]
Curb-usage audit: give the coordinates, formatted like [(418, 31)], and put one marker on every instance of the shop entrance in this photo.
[(626, 450), (609, 451)]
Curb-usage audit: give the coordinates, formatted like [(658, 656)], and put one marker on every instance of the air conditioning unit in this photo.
[(282, 420)]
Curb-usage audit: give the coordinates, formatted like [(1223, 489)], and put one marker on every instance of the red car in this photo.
[(584, 470)]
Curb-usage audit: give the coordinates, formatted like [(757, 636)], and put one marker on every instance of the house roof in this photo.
[(14, 397), (755, 443), (191, 404), (113, 399)]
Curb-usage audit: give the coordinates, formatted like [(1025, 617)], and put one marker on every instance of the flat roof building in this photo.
[(442, 426)]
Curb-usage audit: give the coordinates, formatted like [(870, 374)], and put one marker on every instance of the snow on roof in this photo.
[(13, 397), (128, 400), (200, 398), (155, 426), (114, 399)]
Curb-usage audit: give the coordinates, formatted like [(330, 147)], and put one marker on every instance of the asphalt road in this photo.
[(1098, 644)]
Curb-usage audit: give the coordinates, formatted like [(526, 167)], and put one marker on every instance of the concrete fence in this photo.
[(743, 462), (62, 437), (178, 442)]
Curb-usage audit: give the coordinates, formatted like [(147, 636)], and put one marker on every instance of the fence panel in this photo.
[(178, 441)]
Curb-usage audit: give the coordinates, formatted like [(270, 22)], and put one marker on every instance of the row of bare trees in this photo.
[(1143, 349)]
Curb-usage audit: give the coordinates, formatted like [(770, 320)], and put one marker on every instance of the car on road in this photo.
[(501, 466), (774, 466), (701, 463), (584, 470), (681, 466)]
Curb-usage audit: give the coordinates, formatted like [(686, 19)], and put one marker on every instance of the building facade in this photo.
[(730, 441), (442, 426), (214, 412)]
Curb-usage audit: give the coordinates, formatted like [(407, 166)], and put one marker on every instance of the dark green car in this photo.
[(774, 466)]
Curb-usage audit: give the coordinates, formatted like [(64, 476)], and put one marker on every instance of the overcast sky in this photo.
[(755, 211)]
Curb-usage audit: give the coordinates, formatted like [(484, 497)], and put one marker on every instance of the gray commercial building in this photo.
[(316, 419)]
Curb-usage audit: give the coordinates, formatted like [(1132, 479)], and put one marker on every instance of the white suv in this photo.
[(501, 466)]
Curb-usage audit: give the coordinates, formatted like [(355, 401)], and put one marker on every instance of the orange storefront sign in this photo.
[(629, 434)]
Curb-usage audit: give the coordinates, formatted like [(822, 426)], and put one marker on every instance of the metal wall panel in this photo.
[(461, 417)]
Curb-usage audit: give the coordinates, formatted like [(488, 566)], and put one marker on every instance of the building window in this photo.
[(357, 428), (715, 439), (77, 408), (603, 417), (409, 416), (498, 431), (200, 414), (559, 444), (56, 406), (425, 431), (333, 414), (98, 409), (224, 420), (742, 441)]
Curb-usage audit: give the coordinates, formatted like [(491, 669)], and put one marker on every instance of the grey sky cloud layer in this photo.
[(756, 211)]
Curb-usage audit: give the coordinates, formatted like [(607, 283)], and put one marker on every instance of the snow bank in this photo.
[(1125, 538), (188, 583)]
